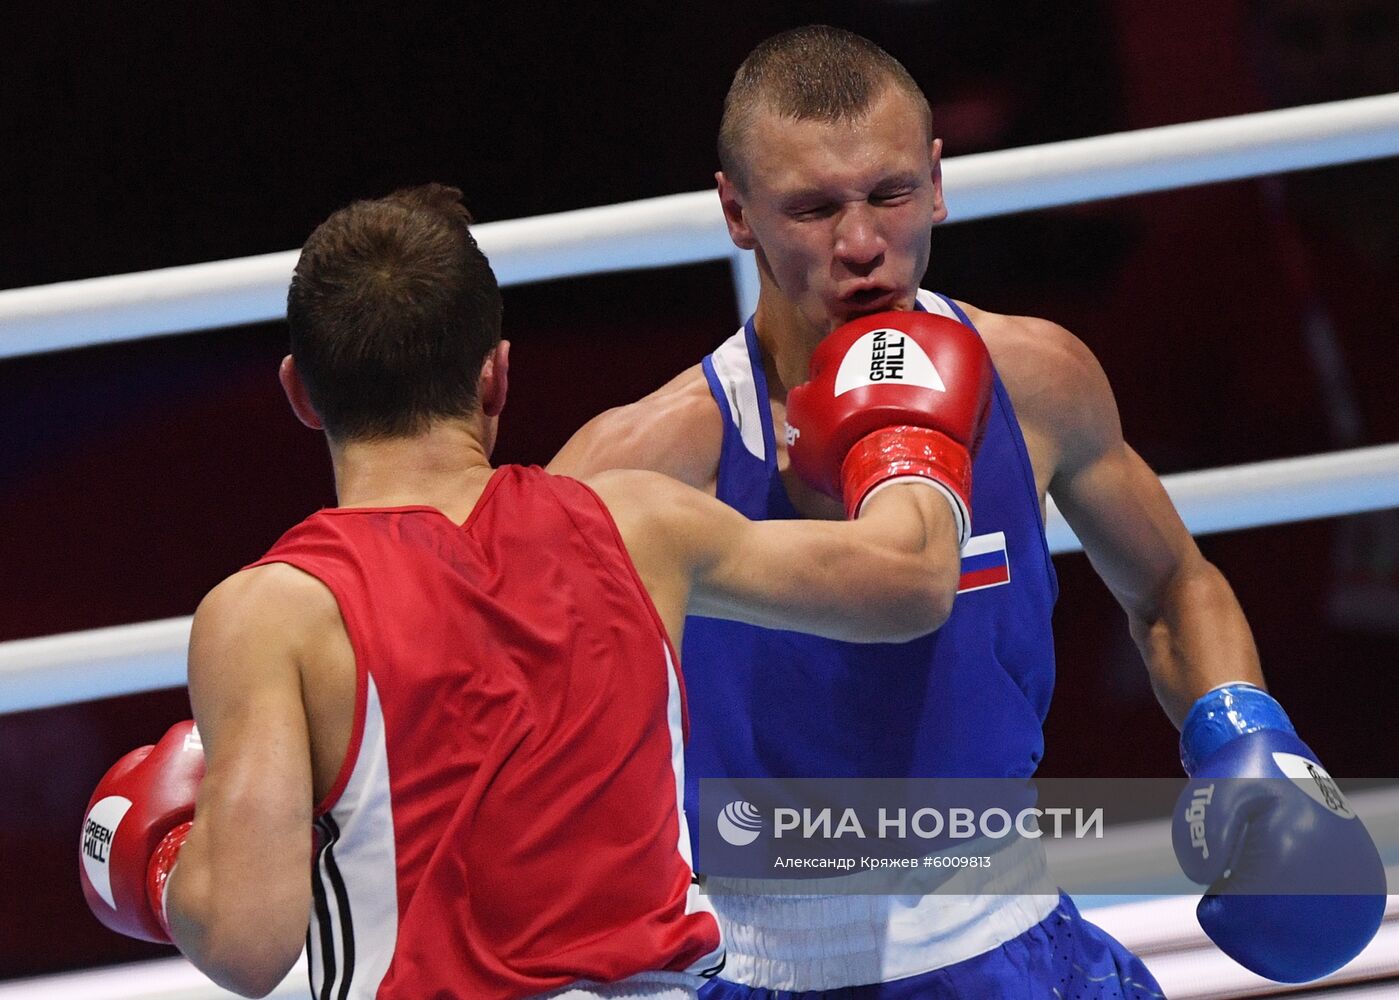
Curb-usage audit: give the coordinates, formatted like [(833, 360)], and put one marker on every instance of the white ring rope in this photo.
[(688, 228), (1276, 492), (124, 659)]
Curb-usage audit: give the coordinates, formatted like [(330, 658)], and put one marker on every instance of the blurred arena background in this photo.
[(1237, 322)]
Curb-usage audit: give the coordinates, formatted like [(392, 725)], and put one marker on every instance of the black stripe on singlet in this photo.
[(342, 903), (714, 970), (327, 932), (310, 966)]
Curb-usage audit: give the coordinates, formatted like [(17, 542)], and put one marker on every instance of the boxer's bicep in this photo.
[(240, 896)]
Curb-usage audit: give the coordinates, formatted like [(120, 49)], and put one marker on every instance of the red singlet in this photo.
[(508, 818)]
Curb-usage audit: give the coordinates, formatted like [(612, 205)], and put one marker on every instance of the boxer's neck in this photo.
[(445, 466), (786, 343)]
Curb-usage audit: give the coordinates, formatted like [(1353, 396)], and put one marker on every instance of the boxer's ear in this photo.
[(731, 199), (939, 205), (297, 395), (494, 382)]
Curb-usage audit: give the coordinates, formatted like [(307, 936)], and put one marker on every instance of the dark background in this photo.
[(134, 477)]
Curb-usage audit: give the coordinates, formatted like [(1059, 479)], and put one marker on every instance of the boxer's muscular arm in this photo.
[(886, 577), (676, 430), (239, 899), (1182, 613)]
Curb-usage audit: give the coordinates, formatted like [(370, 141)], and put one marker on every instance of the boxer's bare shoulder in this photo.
[(1062, 399), (676, 430), (276, 631)]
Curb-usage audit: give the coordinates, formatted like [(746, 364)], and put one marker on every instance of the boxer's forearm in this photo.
[(1193, 638), (889, 577), (226, 932), (195, 930)]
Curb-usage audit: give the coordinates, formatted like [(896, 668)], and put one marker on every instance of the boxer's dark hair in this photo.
[(393, 309), (815, 73)]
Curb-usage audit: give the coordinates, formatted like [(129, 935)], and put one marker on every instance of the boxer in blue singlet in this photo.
[(831, 175)]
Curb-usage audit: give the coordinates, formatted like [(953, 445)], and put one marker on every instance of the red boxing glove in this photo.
[(892, 396), (135, 824)]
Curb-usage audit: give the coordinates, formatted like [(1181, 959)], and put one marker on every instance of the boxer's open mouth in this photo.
[(869, 298)]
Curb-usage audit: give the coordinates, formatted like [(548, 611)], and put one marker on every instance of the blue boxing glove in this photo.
[(1296, 886)]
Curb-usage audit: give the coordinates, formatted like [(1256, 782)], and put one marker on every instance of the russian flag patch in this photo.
[(984, 562)]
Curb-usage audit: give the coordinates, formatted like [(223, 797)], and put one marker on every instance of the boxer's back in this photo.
[(518, 708)]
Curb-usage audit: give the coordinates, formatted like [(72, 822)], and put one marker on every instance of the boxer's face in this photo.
[(839, 213)]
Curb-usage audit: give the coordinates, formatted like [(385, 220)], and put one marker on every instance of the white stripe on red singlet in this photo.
[(362, 853)]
